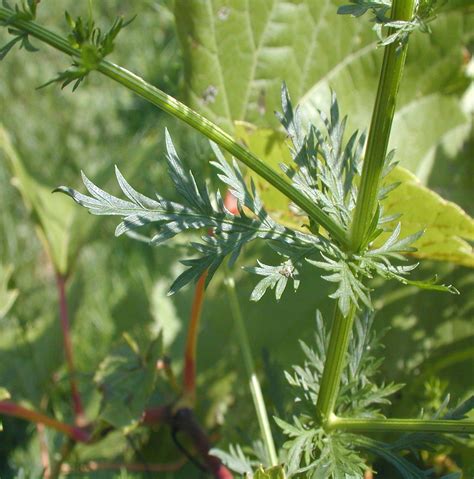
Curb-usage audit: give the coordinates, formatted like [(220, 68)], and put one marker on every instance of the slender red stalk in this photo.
[(189, 377), (78, 434), (67, 343)]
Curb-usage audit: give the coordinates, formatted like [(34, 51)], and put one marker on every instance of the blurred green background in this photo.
[(118, 285)]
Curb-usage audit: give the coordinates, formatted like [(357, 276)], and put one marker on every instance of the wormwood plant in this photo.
[(335, 180)]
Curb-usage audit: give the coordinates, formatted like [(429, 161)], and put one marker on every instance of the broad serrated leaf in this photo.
[(447, 228), (311, 48), (275, 41)]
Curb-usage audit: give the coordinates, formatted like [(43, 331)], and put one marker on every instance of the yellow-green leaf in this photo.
[(276, 472), (447, 227)]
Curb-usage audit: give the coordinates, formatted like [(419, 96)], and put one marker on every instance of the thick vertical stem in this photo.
[(254, 383), (379, 134), (68, 353), (336, 354), (380, 126)]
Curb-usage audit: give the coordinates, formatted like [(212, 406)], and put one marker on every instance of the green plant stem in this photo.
[(401, 425), (334, 363), (379, 132), (192, 118), (254, 383)]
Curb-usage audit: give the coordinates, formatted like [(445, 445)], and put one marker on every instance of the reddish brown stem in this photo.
[(68, 353), (189, 377), (15, 410)]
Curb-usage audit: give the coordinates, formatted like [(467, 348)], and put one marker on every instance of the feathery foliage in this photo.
[(324, 170), (199, 211), (339, 454)]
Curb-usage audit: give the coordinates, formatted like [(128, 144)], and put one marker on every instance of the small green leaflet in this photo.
[(274, 277)]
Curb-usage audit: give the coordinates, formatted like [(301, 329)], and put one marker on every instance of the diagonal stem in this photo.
[(15, 410), (254, 383), (189, 116)]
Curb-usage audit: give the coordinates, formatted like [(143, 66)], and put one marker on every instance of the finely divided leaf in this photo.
[(226, 234)]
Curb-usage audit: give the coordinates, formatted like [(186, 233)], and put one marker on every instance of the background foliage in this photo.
[(120, 285)]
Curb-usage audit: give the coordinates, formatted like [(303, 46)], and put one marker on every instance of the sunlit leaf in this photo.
[(447, 227), (276, 472)]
